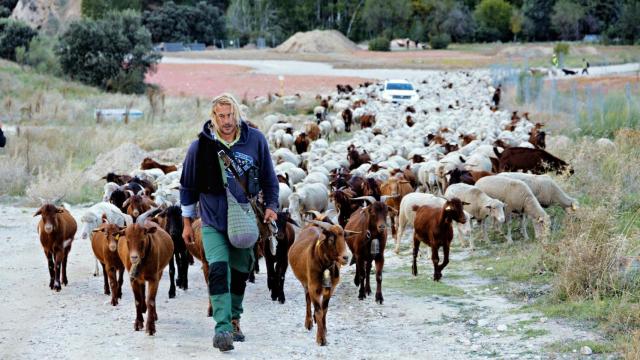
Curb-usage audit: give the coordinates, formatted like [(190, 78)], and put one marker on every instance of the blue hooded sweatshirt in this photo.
[(251, 149)]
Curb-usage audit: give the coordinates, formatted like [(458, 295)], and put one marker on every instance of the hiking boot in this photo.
[(223, 341), (237, 333)]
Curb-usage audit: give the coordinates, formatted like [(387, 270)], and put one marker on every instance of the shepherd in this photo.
[(206, 181)]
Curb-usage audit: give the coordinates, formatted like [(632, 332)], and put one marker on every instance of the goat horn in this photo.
[(142, 218), (370, 199), (323, 225), (352, 232), (314, 213)]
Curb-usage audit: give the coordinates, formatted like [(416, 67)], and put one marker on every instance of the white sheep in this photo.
[(407, 215), (92, 218), (517, 197), (307, 197), (109, 188), (480, 206), (283, 196)]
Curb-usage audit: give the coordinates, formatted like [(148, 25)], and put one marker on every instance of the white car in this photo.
[(400, 91)]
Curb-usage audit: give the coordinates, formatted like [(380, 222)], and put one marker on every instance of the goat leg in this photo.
[(172, 275), (51, 266), (308, 324), (138, 294), (379, 266), (435, 259), (321, 338), (152, 315), (113, 282), (367, 277), (106, 280), (416, 247), (65, 281)]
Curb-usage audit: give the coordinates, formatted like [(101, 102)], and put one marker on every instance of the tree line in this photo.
[(111, 46)]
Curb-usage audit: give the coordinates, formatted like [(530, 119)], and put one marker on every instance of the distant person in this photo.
[(554, 60), (3, 139), (585, 67)]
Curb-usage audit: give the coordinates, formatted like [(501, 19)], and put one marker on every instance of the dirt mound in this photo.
[(122, 159), (48, 15), (317, 41)]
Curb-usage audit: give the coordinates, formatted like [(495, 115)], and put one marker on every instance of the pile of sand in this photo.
[(317, 41), (121, 160)]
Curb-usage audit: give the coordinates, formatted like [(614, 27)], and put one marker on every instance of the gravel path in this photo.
[(79, 322)]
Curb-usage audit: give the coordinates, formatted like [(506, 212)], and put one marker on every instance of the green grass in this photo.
[(534, 333), (519, 262), (422, 285)]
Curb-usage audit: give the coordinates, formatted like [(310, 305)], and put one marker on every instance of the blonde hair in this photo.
[(225, 99)]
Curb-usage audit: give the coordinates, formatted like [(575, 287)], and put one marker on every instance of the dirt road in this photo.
[(461, 318)]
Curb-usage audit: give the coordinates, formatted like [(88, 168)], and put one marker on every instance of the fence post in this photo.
[(627, 95), (589, 101), (574, 96)]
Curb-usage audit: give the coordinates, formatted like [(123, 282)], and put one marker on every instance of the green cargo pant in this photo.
[(229, 269)]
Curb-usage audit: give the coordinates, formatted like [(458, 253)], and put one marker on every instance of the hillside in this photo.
[(47, 15)]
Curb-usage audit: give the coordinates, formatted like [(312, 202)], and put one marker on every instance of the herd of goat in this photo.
[(437, 165)]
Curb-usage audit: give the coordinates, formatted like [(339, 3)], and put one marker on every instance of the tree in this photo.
[(627, 27), (97, 9), (113, 53), (6, 7), (537, 19), (493, 18), (460, 23), (566, 19), (388, 17), (517, 20), (184, 23), (14, 34)]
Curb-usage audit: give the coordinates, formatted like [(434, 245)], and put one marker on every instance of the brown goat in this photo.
[(409, 121), (367, 120), (149, 163), (56, 229), (302, 143), (138, 204), (145, 251), (537, 161), (367, 241), (104, 243), (312, 130), (118, 179), (315, 259), (347, 117), (355, 158), (395, 189), (344, 204), (196, 248), (432, 226), (537, 137), (466, 139)]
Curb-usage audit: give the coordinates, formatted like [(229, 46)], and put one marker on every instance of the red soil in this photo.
[(208, 80)]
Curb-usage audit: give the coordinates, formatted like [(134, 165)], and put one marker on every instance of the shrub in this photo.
[(561, 48), (41, 55), (494, 19), (440, 41), (173, 23), (14, 34), (379, 44), (113, 53)]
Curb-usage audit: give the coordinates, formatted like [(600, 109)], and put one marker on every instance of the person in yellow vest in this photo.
[(554, 60)]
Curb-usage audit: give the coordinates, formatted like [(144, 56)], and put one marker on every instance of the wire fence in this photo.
[(595, 108)]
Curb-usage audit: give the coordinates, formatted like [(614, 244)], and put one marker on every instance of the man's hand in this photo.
[(269, 216), (187, 231)]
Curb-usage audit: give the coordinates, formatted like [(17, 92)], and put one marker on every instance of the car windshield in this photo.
[(399, 86)]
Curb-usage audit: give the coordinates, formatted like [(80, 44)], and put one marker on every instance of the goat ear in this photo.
[(150, 230), (121, 231), (331, 238), (39, 212), (465, 203)]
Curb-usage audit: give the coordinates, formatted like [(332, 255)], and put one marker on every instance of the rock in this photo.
[(464, 341), (543, 320), (483, 322), (472, 322), (490, 268), (501, 327), (585, 350), (476, 347)]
